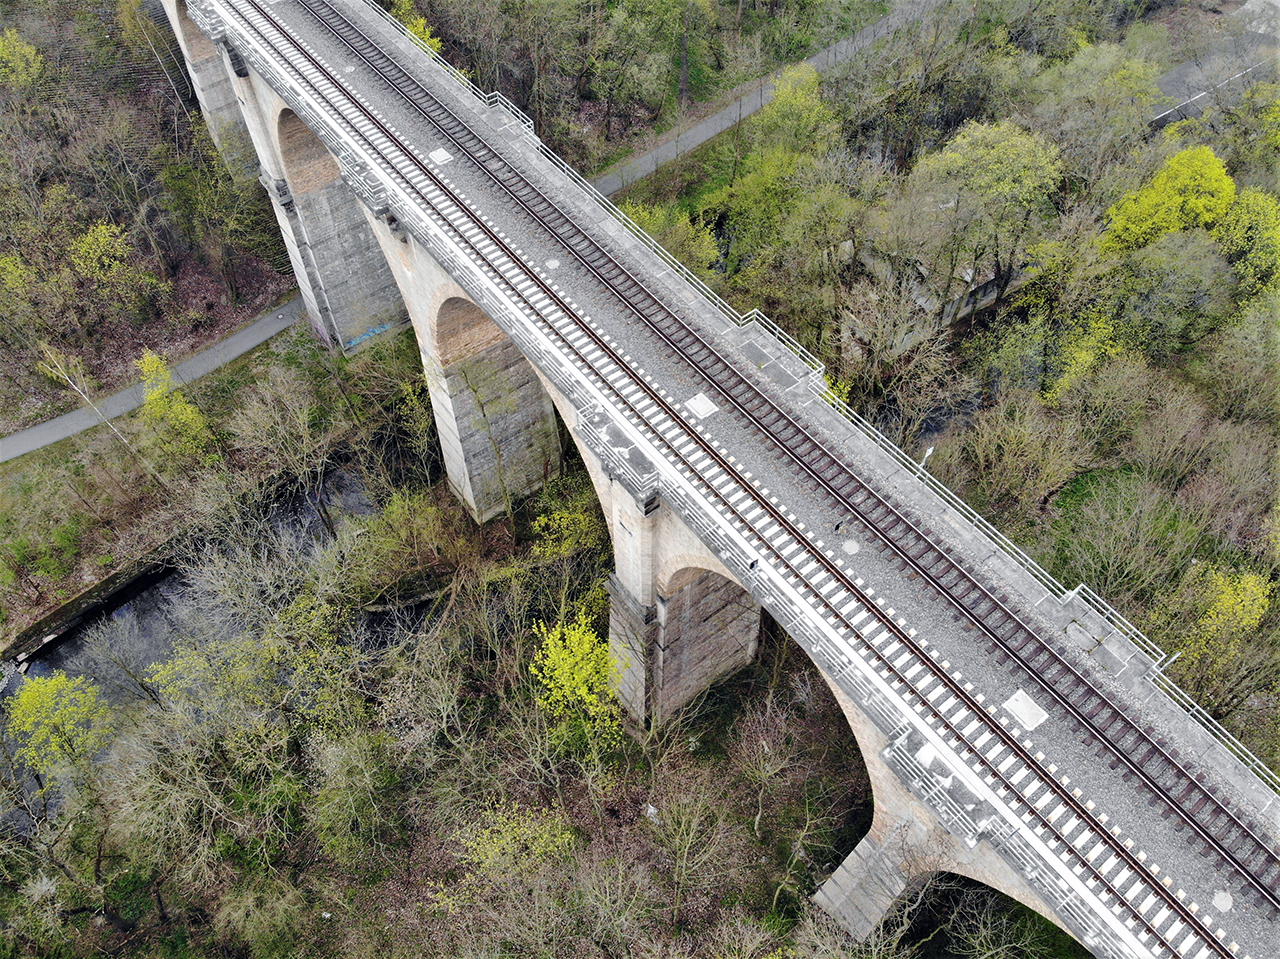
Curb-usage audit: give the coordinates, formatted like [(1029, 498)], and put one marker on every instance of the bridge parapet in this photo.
[(1087, 622)]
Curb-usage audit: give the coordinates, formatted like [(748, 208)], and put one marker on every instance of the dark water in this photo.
[(134, 626), (133, 633)]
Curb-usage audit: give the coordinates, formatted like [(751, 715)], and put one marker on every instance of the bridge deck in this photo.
[(770, 471)]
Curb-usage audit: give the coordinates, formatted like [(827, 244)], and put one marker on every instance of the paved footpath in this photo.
[(127, 400), (824, 60)]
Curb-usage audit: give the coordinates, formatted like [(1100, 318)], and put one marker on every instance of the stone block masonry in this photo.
[(496, 424), (707, 628), (209, 77)]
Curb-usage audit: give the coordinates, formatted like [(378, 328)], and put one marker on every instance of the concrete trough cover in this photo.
[(440, 156), (700, 406), (1024, 709)]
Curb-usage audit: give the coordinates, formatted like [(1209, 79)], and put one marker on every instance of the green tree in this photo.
[(69, 370), (691, 244), (107, 266), (1192, 190), (750, 211), (796, 117), (58, 721), (569, 521), (1095, 106), (576, 674), (1249, 237), (575, 671), (984, 192), (1170, 293), (20, 63), (1213, 621), (406, 11), (184, 433)]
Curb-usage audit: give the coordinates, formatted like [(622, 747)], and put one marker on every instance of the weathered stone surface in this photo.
[(209, 76), (496, 424), (906, 843)]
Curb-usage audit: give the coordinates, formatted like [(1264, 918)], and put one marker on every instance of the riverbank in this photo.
[(85, 510)]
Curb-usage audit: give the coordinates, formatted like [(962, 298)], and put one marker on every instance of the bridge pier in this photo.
[(496, 423), (345, 282), (210, 78), (699, 628), (678, 618), (907, 843)]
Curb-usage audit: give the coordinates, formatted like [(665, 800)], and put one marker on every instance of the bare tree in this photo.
[(692, 829)]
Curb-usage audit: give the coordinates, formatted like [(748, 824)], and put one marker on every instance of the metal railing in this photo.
[(1082, 593), (493, 99)]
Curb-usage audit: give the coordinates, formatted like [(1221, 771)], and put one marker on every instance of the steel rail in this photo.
[(1192, 793), (692, 471)]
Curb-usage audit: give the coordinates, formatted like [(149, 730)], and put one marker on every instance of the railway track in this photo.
[(894, 652), (1225, 837)]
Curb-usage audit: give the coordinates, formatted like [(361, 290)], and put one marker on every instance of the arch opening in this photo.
[(462, 330), (347, 282), (197, 45), (708, 628), (308, 164), (970, 917)]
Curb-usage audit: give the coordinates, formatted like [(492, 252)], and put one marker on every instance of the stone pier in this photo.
[(211, 80), (906, 844), (344, 279), (497, 427)]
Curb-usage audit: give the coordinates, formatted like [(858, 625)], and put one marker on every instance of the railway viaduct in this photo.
[(1015, 732)]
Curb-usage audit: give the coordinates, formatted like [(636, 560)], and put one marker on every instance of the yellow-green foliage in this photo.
[(1192, 190), (103, 257), (570, 522), (507, 843), (58, 720), (184, 432), (20, 62), (755, 206), (407, 13), (789, 135), (1232, 604), (1249, 236), (1081, 351), (509, 837), (1238, 602), (692, 245), (796, 117), (16, 278), (998, 166), (1271, 125), (575, 671)]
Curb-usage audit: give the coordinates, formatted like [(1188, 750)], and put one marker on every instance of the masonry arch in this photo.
[(906, 844), (309, 167), (462, 329), (353, 291), (709, 626), (194, 44)]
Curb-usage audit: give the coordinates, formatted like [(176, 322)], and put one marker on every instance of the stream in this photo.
[(138, 613)]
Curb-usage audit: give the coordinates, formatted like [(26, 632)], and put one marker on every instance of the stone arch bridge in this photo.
[(1015, 732)]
